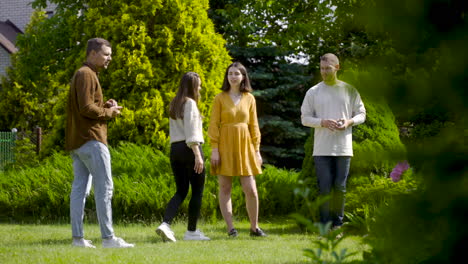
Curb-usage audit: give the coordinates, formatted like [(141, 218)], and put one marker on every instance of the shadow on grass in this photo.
[(43, 242), (47, 242), (292, 229)]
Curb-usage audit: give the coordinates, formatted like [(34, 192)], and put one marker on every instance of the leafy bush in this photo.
[(143, 183), (276, 191), (429, 225), (154, 43), (25, 154), (36, 192), (366, 195), (377, 189), (426, 225)]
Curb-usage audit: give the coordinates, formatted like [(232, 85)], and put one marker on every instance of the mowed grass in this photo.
[(52, 244)]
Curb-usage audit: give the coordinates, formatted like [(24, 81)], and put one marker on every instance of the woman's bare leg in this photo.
[(225, 186), (249, 187)]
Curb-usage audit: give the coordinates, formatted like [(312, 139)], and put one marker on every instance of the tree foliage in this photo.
[(251, 29), (280, 42), (154, 43), (423, 74)]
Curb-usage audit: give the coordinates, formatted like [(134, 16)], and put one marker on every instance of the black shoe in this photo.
[(339, 234), (257, 233), (233, 233)]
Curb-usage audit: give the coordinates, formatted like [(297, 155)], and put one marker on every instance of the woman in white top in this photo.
[(186, 137)]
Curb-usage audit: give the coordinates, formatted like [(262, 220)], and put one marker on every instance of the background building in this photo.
[(14, 16)]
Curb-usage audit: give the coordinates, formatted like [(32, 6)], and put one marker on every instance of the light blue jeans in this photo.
[(332, 174), (91, 163)]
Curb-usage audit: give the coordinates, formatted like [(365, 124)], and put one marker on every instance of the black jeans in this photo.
[(182, 163)]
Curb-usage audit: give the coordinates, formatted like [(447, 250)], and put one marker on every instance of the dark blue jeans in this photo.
[(332, 173)]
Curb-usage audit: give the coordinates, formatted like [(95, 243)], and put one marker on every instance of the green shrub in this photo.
[(427, 225), (36, 192), (365, 195), (143, 183), (403, 225), (153, 42), (24, 153), (377, 189), (276, 191)]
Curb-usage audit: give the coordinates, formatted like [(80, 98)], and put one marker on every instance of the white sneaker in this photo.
[(81, 242), (167, 235), (195, 235), (116, 242)]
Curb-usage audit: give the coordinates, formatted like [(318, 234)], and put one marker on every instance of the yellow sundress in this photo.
[(234, 131)]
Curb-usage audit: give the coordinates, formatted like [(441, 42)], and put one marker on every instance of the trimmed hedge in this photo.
[(143, 183)]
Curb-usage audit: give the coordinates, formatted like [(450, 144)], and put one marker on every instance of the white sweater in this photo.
[(332, 102), (188, 129)]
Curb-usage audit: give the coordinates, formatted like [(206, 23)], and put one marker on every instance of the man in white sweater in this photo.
[(332, 107)]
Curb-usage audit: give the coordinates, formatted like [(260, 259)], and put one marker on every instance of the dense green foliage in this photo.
[(425, 63), (280, 42), (154, 43), (368, 195), (278, 84), (254, 31), (421, 71), (304, 29), (143, 183)]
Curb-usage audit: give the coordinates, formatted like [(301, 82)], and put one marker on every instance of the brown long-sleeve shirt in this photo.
[(86, 115)]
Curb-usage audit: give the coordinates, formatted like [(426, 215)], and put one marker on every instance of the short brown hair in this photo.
[(96, 44), (330, 57)]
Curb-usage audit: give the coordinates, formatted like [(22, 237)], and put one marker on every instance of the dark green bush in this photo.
[(36, 193), (428, 225), (25, 154), (276, 191), (376, 190), (143, 183), (365, 195)]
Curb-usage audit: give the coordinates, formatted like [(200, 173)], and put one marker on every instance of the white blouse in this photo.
[(188, 129)]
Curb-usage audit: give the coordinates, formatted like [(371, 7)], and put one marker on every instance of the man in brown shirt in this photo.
[(86, 139)]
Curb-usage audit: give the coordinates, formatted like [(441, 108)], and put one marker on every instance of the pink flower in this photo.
[(398, 171)]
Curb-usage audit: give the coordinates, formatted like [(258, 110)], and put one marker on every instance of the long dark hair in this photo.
[(188, 88), (245, 84)]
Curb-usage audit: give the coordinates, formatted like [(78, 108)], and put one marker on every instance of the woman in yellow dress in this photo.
[(235, 143)]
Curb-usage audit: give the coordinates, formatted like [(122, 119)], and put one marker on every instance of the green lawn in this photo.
[(52, 244)]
